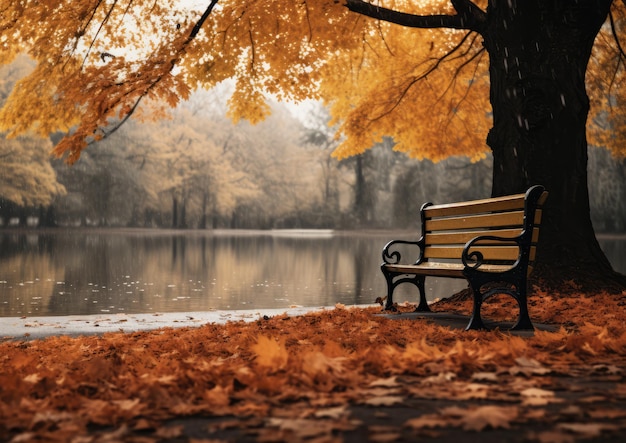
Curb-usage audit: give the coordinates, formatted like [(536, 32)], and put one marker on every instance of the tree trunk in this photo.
[(538, 58), (183, 214), (203, 224), (174, 212), (359, 191)]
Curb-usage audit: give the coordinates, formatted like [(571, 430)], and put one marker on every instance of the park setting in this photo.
[(312, 221)]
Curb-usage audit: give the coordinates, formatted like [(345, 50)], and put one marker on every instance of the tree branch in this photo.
[(615, 36), (200, 22), (437, 63), (470, 12), (469, 16), (194, 32)]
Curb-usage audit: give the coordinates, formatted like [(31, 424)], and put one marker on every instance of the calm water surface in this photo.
[(69, 272)]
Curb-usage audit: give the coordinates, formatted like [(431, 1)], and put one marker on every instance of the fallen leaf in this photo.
[(317, 363), (384, 437), (482, 417), (270, 353), (429, 421), (607, 369), (169, 432), (485, 376), (607, 414), (441, 377), (588, 430), (334, 413), (551, 437), (302, 428), (536, 392), (32, 378), (528, 366), (390, 382), (389, 400)]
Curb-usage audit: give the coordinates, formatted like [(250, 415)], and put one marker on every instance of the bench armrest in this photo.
[(474, 259), (392, 256)]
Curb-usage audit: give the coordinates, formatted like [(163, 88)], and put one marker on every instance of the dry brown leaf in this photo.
[(376, 392), (593, 399), (607, 414), (333, 413), (133, 404), (218, 396), (528, 366), (168, 432), (536, 392), (538, 397), (303, 428), (32, 378), (316, 363), (441, 377), (389, 400), (25, 437), (384, 437), (551, 437), (485, 376), (588, 430), (607, 369), (482, 417), (390, 382), (270, 353), (429, 421)]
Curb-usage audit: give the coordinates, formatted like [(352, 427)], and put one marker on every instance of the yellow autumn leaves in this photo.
[(428, 89), (103, 60)]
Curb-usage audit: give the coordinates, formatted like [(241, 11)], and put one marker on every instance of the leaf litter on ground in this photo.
[(313, 377)]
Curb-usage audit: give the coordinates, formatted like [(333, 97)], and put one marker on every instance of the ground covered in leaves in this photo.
[(346, 374)]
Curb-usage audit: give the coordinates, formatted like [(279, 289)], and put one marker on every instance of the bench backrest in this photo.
[(447, 228)]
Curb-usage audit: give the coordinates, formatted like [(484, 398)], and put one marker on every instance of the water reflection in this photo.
[(94, 272)]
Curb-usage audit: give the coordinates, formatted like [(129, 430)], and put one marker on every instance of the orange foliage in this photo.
[(322, 363), (426, 88), (96, 62), (606, 74)]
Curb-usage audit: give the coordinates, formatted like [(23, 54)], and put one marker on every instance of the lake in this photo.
[(72, 272)]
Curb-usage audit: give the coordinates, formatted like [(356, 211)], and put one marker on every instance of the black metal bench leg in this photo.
[(476, 321), (390, 287), (523, 322), (423, 304)]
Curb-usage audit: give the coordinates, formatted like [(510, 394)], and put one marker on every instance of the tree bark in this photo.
[(538, 58)]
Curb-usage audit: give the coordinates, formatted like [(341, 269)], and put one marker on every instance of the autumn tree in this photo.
[(439, 77), (27, 178)]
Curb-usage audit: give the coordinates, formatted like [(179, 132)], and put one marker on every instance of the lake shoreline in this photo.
[(33, 328)]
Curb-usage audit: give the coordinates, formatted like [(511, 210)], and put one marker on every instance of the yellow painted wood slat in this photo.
[(508, 203), (462, 237), (438, 269), (489, 252), (498, 204), (505, 219)]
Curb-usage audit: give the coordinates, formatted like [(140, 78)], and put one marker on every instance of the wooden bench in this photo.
[(491, 243)]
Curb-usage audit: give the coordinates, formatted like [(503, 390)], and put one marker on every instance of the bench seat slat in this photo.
[(438, 269)]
